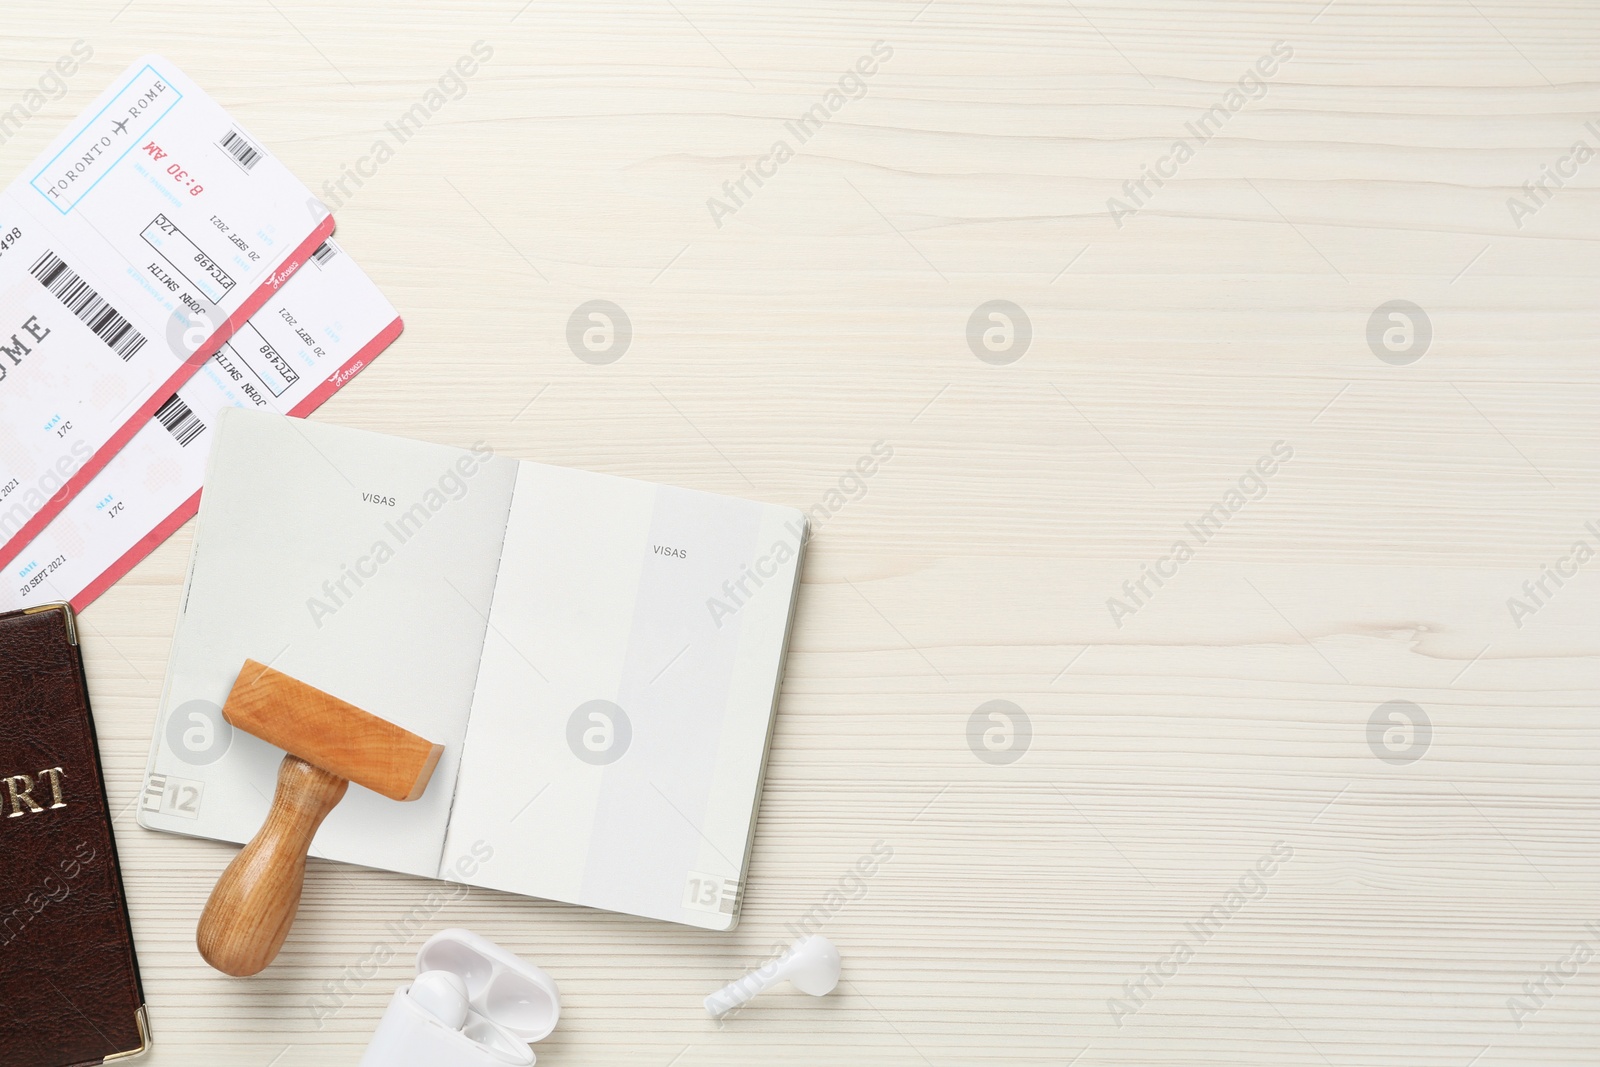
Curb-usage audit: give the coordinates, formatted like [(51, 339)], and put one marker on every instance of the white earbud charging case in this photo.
[(513, 1003)]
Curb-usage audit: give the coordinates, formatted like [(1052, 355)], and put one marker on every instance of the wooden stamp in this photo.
[(330, 743)]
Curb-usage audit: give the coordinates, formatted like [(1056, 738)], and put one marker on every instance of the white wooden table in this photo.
[(1417, 872)]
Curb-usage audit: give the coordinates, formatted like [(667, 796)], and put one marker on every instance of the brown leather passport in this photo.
[(69, 983)]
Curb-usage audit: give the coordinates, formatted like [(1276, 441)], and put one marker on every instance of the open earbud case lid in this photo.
[(501, 986)]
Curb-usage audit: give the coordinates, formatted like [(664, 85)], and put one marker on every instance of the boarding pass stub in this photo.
[(139, 240), (311, 338)]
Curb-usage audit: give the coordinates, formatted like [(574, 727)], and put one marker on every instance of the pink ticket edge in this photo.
[(186, 511), (97, 462)]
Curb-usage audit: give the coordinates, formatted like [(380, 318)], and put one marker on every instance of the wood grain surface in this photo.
[(1220, 844)]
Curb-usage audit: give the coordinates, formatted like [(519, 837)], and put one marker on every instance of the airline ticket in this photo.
[(327, 324), (139, 240)]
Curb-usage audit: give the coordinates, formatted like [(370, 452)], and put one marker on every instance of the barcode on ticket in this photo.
[(324, 252), (243, 152), (180, 422), (81, 299)]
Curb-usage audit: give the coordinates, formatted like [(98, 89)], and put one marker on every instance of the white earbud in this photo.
[(443, 995), (812, 964)]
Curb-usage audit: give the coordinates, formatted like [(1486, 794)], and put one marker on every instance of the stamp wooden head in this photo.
[(330, 743), (329, 733)]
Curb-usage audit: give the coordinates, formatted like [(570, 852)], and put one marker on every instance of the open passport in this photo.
[(600, 658)]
